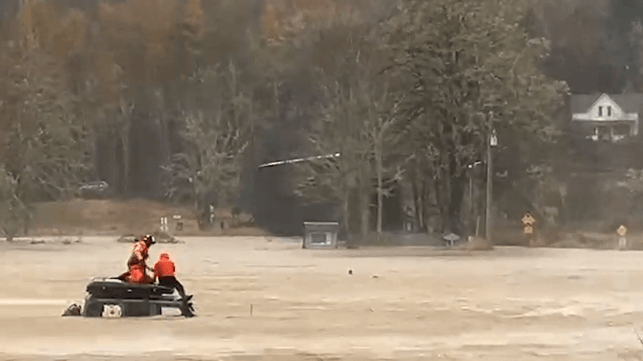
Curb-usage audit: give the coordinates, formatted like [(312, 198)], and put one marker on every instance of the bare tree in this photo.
[(462, 63), (355, 121), (12, 210), (216, 132), (45, 151)]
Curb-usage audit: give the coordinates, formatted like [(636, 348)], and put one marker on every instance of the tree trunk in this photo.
[(165, 149), (417, 202), (349, 241), (9, 234), (125, 140), (165, 139), (443, 171), (364, 208), (115, 158), (167, 97), (345, 211), (380, 191), (457, 189), (125, 158), (426, 202), (365, 212), (442, 192)]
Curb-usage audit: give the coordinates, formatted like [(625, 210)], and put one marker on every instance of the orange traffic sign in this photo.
[(622, 230), (528, 219)]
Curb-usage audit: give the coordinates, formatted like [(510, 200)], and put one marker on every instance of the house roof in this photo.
[(630, 102)]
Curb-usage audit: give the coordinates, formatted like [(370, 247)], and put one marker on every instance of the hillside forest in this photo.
[(181, 101)]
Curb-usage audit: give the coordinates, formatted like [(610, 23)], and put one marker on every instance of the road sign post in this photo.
[(622, 240), (529, 227), (164, 227), (491, 142)]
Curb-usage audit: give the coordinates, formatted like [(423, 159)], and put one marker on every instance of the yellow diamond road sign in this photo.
[(622, 230), (528, 219)]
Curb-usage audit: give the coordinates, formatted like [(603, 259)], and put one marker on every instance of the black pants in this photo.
[(172, 282)]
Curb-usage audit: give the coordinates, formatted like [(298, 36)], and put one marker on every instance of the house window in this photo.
[(600, 111), (609, 111), (621, 130)]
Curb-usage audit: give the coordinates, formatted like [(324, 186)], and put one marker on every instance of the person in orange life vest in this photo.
[(165, 272), (137, 275), (137, 261), (140, 253)]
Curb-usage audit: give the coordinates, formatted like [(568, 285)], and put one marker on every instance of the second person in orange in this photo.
[(165, 272)]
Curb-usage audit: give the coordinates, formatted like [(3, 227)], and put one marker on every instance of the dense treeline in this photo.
[(181, 100)]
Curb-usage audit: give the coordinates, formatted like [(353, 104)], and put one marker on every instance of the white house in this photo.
[(606, 117)]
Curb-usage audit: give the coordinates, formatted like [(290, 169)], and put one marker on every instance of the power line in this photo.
[(298, 160)]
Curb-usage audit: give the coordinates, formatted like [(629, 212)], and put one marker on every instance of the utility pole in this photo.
[(492, 141)]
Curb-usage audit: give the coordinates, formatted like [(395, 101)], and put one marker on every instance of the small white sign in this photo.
[(170, 311)]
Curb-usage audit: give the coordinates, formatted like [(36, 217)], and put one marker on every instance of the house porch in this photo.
[(610, 131)]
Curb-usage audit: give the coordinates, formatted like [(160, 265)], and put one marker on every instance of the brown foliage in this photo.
[(43, 151), (126, 84)]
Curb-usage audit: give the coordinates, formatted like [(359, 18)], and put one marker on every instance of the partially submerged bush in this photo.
[(159, 237), (476, 244), (164, 237), (127, 238)]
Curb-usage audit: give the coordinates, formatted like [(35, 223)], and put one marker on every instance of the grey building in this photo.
[(606, 117)]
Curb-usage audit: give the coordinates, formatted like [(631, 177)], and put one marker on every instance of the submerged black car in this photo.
[(109, 297)]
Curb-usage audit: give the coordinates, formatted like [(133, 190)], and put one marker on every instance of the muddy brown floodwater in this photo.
[(399, 304)]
